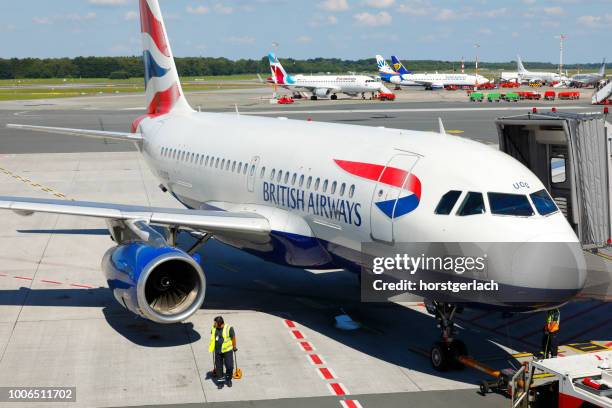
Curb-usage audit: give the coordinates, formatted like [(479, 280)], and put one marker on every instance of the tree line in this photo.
[(132, 67)]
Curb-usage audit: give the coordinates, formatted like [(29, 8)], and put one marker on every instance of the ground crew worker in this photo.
[(223, 344), (551, 328)]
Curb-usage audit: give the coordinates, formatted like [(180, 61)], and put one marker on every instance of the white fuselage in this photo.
[(440, 79), (526, 76), (286, 171), (323, 85)]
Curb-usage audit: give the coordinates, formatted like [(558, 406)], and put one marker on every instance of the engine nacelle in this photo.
[(321, 92), (160, 283), (395, 79)]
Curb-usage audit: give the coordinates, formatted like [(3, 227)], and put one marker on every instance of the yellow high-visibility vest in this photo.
[(553, 318), (227, 340)]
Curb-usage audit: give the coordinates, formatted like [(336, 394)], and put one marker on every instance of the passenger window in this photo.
[(351, 191), (272, 174), (161, 151), (227, 165), (222, 163), (301, 180), (201, 159), (280, 176), (342, 187), (287, 177), (543, 203), (234, 166), (217, 163), (316, 186), (324, 189), (293, 179), (239, 167), (244, 169), (206, 162), (557, 169), (447, 202), (333, 188), (263, 172), (510, 204), (309, 182), (473, 204), (252, 170)]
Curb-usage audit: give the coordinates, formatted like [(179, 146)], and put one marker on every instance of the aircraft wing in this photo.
[(209, 221), (97, 134)]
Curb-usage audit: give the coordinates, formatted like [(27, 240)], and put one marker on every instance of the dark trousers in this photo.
[(226, 359), (549, 344)]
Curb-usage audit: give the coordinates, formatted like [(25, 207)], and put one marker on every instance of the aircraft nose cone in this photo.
[(553, 270)]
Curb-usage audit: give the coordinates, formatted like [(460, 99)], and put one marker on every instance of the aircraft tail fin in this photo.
[(519, 64), (398, 66), (602, 69), (279, 75), (383, 67), (162, 85)]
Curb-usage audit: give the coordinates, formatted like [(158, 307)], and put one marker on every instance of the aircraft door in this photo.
[(252, 172), (390, 189)]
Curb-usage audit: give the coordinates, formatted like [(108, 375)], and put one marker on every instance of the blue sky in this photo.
[(412, 29)]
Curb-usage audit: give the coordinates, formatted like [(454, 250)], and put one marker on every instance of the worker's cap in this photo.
[(219, 320)]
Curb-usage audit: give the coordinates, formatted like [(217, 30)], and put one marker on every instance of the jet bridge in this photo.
[(571, 154)]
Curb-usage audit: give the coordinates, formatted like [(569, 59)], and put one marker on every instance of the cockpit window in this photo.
[(543, 203), (447, 202), (510, 204), (473, 204)]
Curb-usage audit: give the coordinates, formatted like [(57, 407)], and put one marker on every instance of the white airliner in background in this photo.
[(321, 86), (309, 194), (429, 81), (536, 76)]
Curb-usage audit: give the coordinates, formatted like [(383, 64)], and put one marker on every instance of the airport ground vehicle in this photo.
[(494, 97), (569, 95), (510, 84), (532, 95), (385, 96), (476, 97), (549, 95), (571, 155), (285, 100), (511, 97)]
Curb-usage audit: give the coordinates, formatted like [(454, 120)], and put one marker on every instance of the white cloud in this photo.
[(446, 15), (130, 15), (108, 2), (319, 21), (197, 9), (485, 31), (223, 9), (241, 40), (553, 11), (515, 34), (595, 21), (380, 3), (415, 8), (304, 39), (334, 5), (373, 20), (529, 1)]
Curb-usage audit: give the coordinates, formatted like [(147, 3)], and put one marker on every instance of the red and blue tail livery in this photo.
[(408, 185)]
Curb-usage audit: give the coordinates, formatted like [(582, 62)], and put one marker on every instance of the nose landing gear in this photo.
[(444, 354)]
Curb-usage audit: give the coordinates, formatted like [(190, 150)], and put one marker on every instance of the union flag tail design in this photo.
[(162, 85)]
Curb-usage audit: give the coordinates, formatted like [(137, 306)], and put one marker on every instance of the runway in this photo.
[(61, 326)]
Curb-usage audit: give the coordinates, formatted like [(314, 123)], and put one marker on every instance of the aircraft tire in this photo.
[(439, 356)]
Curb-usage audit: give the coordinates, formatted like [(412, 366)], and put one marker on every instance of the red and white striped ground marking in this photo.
[(337, 389), (350, 404)]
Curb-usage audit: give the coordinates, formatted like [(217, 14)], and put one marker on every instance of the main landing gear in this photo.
[(444, 354)]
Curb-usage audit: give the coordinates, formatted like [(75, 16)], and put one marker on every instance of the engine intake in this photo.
[(163, 284)]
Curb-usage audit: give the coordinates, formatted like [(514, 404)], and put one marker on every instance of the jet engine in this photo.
[(321, 92), (395, 79), (160, 283)]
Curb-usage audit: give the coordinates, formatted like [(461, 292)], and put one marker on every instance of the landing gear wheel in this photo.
[(313, 98), (439, 356), (484, 388), (334, 97)]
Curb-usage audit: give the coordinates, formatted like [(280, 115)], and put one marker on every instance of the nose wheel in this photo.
[(444, 354)]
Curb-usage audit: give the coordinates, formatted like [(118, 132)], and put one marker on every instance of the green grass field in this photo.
[(25, 89)]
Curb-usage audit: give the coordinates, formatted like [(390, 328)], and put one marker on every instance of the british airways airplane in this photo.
[(321, 86), (401, 76), (310, 194)]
